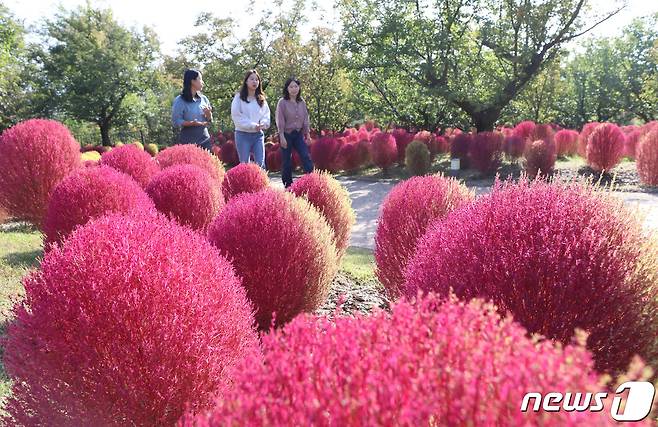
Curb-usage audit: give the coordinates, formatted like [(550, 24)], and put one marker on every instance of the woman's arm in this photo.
[(306, 126), (178, 116), (280, 117), (240, 119), (265, 121)]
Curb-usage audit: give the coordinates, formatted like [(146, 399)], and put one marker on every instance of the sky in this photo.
[(173, 21)]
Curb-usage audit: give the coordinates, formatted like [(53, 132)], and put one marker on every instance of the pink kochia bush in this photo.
[(383, 150), (514, 146), (402, 139), (407, 211), (524, 129), (324, 152), (187, 194), (332, 200), (556, 256), (566, 142), (539, 157), (647, 158), (90, 193), (35, 155), (423, 364), (132, 161), (244, 178), (605, 147), (230, 153), (349, 158), (190, 154), (126, 324), (459, 148), (485, 151), (585, 132), (283, 249)]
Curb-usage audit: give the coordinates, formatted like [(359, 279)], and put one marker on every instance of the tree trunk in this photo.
[(105, 133), (484, 120)]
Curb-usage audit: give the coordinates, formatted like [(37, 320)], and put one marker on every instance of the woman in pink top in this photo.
[(293, 125)]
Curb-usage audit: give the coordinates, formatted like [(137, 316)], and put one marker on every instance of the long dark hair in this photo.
[(189, 75), (286, 94), (244, 92)]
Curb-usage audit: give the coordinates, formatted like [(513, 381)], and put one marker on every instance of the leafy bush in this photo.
[(407, 211), (539, 158), (35, 155), (190, 154), (485, 151), (383, 150), (125, 324), (460, 147), (186, 194), (647, 158), (418, 158), (556, 256), (132, 161), (90, 193), (282, 248), (244, 178), (566, 142), (605, 147), (323, 153)]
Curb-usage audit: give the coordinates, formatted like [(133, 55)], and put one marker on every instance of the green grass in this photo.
[(20, 250), (359, 263)]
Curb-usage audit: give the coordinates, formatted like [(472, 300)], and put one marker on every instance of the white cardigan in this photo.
[(246, 115)]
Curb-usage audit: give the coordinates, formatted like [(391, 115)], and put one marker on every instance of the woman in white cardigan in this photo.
[(251, 115)]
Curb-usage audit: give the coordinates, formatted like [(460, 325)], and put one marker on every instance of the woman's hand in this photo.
[(207, 112), (307, 138), (283, 142), (259, 127)]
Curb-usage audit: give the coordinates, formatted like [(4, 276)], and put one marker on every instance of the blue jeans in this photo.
[(295, 140), (248, 142)]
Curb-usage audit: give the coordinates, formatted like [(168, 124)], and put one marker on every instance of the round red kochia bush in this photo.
[(402, 139), (323, 153), (132, 161), (409, 208), (556, 256), (631, 141), (230, 153), (513, 146), (125, 324), (244, 178), (539, 158), (383, 150), (459, 148), (35, 155), (485, 151), (349, 158), (566, 142), (89, 193), (429, 139), (273, 159), (647, 158), (524, 129), (283, 249), (425, 363), (326, 194), (186, 194), (605, 147), (585, 132), (190, 154)]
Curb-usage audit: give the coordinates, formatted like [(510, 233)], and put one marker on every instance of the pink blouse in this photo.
[(292, 115)]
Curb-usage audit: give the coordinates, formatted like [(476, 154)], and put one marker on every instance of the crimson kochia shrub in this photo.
[(127, 323), (244, 178), (132, 161)]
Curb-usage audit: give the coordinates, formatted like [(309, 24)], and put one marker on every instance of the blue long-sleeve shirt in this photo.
[(183, 111)]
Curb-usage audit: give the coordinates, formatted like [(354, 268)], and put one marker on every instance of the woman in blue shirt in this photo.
[(192, 112)]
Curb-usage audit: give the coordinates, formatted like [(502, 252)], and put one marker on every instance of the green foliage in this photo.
[(417, 158)]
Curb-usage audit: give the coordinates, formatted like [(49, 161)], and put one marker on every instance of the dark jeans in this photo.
[(295, 140)]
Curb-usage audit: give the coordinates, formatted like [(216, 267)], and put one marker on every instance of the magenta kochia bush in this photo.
[(244, 178), (647, 158), (324, 153), (407, 211), (451, 364), (539, 157), (485, 151), (524, 129), (187, 194), (329, 197), (402, 139), (558, 257), (34, 157), (283, 249), (132, 161), (90, 193), (190, 154), (125, 324), (459, 148), (566, 142), (605, 147), (383, 150)]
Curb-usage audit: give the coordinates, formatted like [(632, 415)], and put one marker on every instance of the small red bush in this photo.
[(364, 151), (244, 178), (584, 137), (524, 129), (407, 211), (647, 158), (332, 200), (349, 158), (605, 147), (631, 141), (132, 161), (190, 154), (566, 142), (383, 150), (423, 364), (230, 154), (125, 324), (402, 139), (429, 139), (324, 152), (282, 248), (35, 155), (514, 146), (485, 151), (89, 193), (544, 132), (557, 257), (459, 148), (539, 158), (273, 159), (186, 194)]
